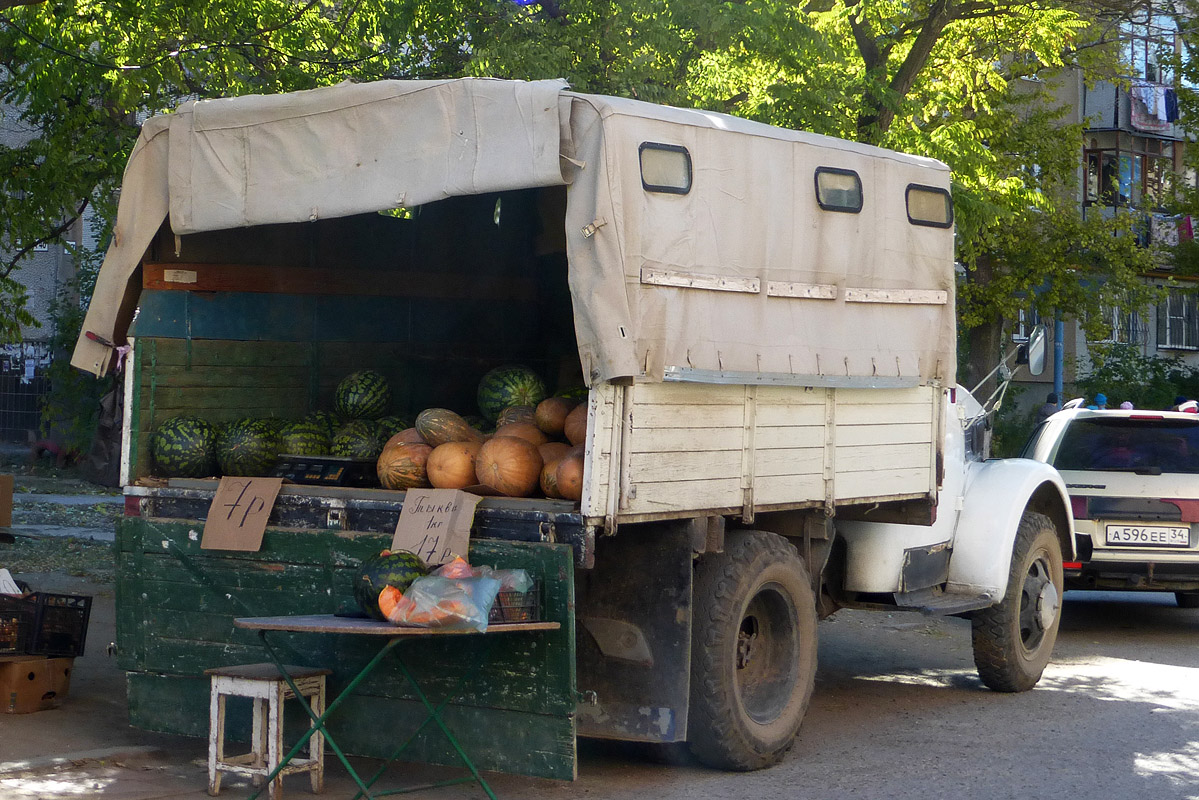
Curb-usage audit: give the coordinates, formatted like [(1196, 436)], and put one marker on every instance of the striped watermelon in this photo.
[(248, 447), (360, 438), (392, 425), (398, 569), (364, 394), (326, 420), (509, 386), (304, 438), (184, 447)]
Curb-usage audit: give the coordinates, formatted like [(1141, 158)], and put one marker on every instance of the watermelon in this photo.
[(364, 394), (326, 420), (360, 438), (248, 447), (398, 569), (393, 425), (478, 423), (304, 438), (509, 386), (185, 447)]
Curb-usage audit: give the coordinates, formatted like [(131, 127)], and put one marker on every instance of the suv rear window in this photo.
[(1130, 444)]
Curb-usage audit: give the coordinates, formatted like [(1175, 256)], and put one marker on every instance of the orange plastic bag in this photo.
[(438, 602)]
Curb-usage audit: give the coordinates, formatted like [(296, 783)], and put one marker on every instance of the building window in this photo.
[(1178, 322), (1123, 327), (1026, 320), (1149, 47), (1135, 175)]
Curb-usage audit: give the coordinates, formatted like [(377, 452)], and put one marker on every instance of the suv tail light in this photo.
[(1078, 505)]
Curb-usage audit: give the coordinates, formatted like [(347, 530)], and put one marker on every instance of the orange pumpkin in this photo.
[(401, 465), (575, 426), (410, 435), (569, 478), (440, 425), (551, 414), (515, 414), (549, 479), (552, 451), (510, 465), (452, 465), (523, 430)]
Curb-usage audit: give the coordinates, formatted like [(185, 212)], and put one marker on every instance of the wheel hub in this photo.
[(1048, 602), (1039, 604)]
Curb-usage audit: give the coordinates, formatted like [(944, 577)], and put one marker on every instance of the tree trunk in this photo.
[(985, 339)]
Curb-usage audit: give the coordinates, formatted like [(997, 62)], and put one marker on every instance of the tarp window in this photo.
[(838, 190), (665, 168), (929, 205)]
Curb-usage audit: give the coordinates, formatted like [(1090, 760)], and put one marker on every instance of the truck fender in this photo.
[(998, 492)]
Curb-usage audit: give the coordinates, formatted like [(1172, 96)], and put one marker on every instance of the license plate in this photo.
[(1149, 535)]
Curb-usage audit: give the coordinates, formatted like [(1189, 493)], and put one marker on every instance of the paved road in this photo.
[(898, 715)]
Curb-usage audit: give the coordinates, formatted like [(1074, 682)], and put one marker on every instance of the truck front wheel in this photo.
[(753, 652), (1014, 639)]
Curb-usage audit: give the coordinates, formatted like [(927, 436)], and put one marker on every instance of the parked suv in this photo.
[(1133, 478)]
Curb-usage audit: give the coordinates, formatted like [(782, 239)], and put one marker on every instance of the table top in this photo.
[(328, 623)]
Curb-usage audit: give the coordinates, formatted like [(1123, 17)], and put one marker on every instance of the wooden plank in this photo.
[(790, 395), (699, 280), (687, 394), (902, 296), (260, 278), (201, 398), (916, 394), (771, 414), (795, 461), (782, 438), (688, 416), (770, 489), (602, 478), (877, 483), (902, 433), (684, 466), (889, 414), (329, 623), (221, 353), (674, 440), (685, 495), (265, 375), (882, 458)]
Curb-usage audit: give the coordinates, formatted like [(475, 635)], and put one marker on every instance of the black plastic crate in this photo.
[(16, 620), (59, 624), (517, 606)]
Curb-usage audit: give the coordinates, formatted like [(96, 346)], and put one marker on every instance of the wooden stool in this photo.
[(264, 684)]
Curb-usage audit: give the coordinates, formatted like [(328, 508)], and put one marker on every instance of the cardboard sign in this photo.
[(435, 524), (238, 514)]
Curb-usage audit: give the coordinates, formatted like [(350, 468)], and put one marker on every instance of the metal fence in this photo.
[(23, 385)]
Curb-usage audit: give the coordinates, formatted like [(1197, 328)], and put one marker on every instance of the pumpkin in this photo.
[(452, 465), (523, 430), (440, 425), (411, 435), (510, 465), (551, 414), (549, 479), (552, 451), (568, 479), (575, 425), (515, 414), (401, 465)]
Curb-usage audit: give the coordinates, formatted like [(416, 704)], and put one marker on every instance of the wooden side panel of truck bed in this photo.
[(662, 450)]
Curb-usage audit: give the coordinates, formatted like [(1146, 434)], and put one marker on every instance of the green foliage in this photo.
[(1122, 373)]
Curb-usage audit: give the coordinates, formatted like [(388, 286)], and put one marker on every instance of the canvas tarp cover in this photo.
[(750, 216)]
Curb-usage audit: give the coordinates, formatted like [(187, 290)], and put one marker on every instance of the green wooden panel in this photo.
[(221, 353), (373, 726), (176, 603)]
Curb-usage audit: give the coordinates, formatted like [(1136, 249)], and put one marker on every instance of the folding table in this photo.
[(393, 636)]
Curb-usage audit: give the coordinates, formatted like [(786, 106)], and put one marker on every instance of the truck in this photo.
[(763, 321)]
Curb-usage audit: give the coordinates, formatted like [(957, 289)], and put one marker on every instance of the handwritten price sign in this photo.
[(435, 524), (238, 514)]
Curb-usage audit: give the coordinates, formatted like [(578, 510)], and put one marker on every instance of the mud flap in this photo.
[(634, 636)]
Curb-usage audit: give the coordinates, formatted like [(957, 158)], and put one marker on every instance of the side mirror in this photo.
[(1033, 353)]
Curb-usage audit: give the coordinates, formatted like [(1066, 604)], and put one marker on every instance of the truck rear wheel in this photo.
[(1014, 639), (753, 652)]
